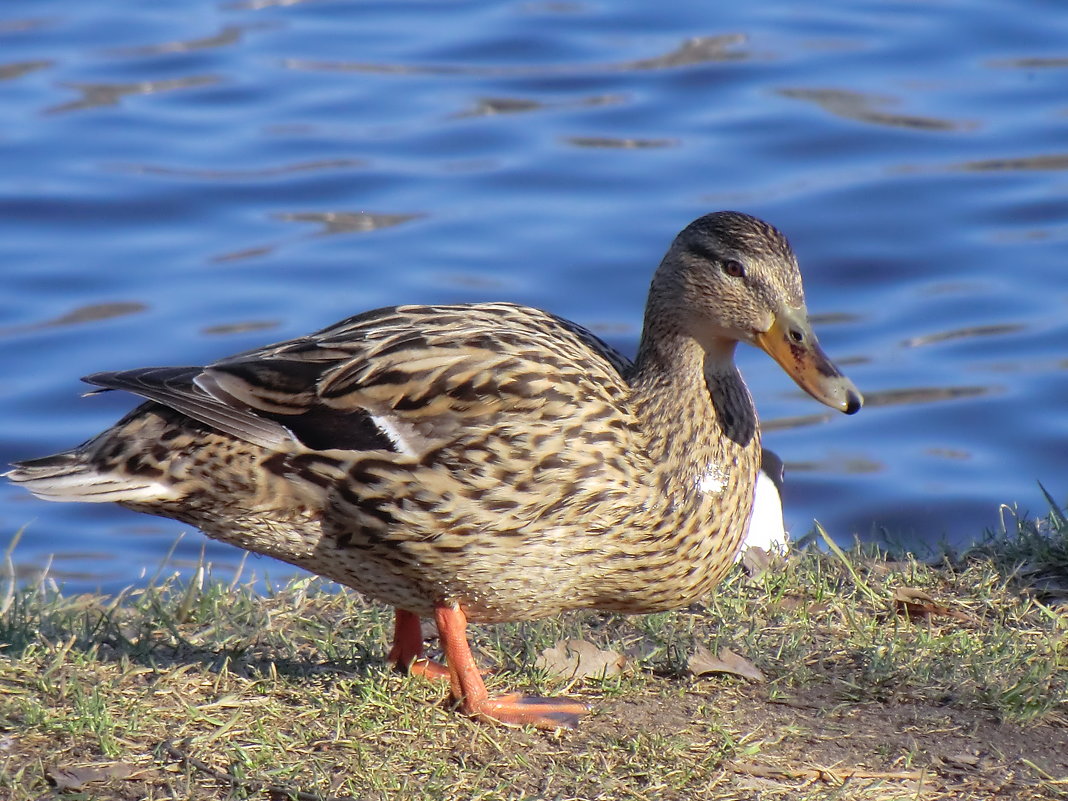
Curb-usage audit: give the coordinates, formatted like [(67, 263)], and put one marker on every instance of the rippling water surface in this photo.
[(182, 181)]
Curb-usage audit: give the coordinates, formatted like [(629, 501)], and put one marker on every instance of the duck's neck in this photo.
[(690, 397)]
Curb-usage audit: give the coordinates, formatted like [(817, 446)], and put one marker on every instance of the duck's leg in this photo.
[(407, 651), (470, 691)]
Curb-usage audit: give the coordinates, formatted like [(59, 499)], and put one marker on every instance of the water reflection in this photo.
[(229, 35), (885, 397), (800, 420), (1032, 234), (95, 95), (249, 174), (228, 329), (845, 465), (862, 107), (696, 50), (619, 143), (835, 318), (9, 72), (1028, 366), (331, 222), (492, 106), (953, 454), (260, 5), (348, 222), (912, 395), (554, 7), (699, 50), (1058, 161), (243, 254), (90, 313), (1030, 63), (970, 332), (23, 25)]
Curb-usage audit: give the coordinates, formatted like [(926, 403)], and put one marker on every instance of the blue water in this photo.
[(180, 181)]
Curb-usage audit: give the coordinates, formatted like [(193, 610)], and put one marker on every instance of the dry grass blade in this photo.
[(837, 776), (1055, 511), (861, 584)]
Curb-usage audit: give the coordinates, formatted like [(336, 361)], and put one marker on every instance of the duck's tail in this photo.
[(74, 476)]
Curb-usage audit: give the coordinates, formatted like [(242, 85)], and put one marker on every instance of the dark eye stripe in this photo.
[(703, 251), (731, 267)]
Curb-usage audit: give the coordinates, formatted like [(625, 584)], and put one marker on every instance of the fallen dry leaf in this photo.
[(962, 760), (75, 778), (755, 560), (918, 605), (704, 661), (964, 763), (579, 659)]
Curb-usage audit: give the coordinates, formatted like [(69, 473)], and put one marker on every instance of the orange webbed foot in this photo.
[(469, 691), (528, 710), (427, 668)]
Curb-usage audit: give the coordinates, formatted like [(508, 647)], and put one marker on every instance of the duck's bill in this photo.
[(792, 344)]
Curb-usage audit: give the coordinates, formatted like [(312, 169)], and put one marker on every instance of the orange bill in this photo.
[(791, 342)]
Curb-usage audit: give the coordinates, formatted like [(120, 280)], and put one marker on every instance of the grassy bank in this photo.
[(883, 679)]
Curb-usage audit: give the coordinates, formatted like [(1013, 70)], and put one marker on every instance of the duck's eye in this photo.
[(734, 268)]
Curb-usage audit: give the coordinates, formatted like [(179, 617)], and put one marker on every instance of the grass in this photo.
[(209, 690)]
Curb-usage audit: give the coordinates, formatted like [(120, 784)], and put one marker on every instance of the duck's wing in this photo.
[(176, 387), (403, 379), (418, 377)]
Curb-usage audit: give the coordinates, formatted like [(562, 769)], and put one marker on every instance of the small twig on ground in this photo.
[(838, 777)]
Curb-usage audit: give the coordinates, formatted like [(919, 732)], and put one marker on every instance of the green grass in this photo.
[(208, 690)]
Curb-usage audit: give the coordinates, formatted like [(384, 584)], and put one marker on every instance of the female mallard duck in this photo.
[(486, 462)]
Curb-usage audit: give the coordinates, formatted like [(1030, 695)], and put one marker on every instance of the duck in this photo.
[(479, 463)]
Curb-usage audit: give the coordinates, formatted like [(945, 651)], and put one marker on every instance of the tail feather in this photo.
[(71, 476)]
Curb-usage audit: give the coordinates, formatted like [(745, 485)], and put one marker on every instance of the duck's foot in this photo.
[(407, 652), (428, 669), (528, 710), (469, 691)]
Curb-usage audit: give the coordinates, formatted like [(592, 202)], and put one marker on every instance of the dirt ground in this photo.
[(809, 744)]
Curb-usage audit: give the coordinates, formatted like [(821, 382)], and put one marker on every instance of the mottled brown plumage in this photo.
[(487, 462)]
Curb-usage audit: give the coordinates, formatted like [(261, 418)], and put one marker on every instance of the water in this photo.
[(180, 181)]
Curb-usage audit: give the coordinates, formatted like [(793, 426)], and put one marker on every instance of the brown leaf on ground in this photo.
[(918, 605), (725, 660), (579, 659), (756, 561), (75, 778), (961, 761)]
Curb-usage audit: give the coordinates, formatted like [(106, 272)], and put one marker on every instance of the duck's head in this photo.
[(729, 277)]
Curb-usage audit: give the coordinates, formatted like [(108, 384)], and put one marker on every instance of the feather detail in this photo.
[(175, 387)]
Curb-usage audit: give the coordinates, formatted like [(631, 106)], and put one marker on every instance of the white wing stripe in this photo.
[(393, 434)]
